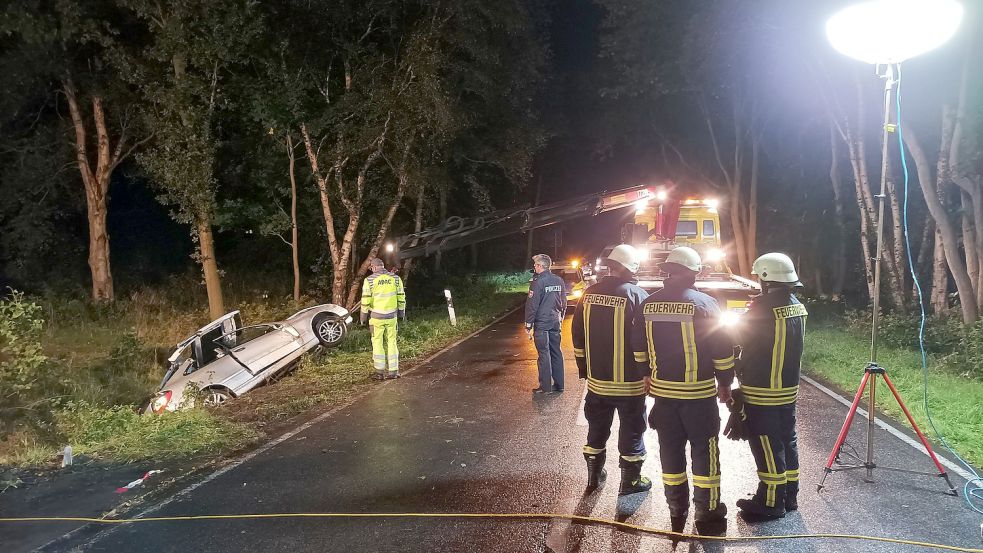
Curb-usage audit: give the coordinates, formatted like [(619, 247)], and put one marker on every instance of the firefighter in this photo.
[(545, 308), (691, 361), (601, 329), (383, 300), (772, 338)]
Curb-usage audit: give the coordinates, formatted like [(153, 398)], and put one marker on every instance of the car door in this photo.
[(260, 346)]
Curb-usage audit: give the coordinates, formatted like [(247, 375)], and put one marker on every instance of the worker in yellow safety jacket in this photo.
[(383, 300)]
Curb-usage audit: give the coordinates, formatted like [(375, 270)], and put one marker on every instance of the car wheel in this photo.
[(330, 329), (214, 396)]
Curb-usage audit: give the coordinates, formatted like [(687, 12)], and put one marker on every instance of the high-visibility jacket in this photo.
[(383, 297), (684, 344), (772, 335), (601, 329)]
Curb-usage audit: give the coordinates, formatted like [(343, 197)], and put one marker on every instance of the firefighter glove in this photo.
[(736, 427)]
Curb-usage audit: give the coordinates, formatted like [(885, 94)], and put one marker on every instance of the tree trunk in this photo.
[(947, 233), (839, 249), (294, 243), (924, 250), (206, 253), (417, 228), (896, 255), (940, 278), (855, 146), (751, 248), (443, 217), (96, 184), (529, 234), (969, 240)]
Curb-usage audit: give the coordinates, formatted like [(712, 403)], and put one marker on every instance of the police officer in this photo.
[(691, 361), (383, 300), (601, 329), (545, 308), (772, 339)]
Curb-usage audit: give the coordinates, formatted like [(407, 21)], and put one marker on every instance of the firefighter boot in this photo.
[(758, 507), (710, 516), (792, 496), (632, 480), (595, 469)]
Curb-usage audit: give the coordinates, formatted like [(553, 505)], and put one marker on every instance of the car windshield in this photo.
[(571, 276)]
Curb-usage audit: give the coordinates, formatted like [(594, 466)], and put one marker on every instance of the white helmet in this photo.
[(775, 267), (685, 257), (626, 256)]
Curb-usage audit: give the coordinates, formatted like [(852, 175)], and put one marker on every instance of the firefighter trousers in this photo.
[(385, 355), (599, 412), (774, 445), (696, 421)]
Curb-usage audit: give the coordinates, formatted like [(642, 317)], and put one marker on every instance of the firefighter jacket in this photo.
[(601, 331), (773, 330), (547, 302), (678, 335), (383, 297)]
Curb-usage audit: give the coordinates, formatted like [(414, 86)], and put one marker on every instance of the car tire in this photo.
[(211, 397), (330, 329)]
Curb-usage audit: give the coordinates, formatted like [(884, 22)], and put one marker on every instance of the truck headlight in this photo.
[(729, 318), (577, 294), (715, 255)]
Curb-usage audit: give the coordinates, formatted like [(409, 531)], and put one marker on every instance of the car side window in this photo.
[(242, 336), (708, 229)]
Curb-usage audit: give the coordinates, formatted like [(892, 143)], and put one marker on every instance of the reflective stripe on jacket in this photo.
[(773, 332), (684, 344), (382, 296), (601, 330)]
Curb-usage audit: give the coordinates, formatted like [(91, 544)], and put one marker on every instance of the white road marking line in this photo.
[(892, 430), (265, 447)]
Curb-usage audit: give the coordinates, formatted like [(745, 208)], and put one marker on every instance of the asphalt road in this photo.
[(464, 434)]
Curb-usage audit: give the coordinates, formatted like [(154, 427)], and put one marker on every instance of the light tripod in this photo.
[(873, 370)]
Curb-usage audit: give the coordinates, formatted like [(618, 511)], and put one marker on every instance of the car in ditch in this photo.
[(225, 359)]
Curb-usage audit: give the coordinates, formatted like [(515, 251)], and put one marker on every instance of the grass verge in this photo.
[(839, 356), (111, 362)]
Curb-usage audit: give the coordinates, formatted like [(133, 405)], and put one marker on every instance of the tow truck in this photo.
[(576, 275), (661, 222)]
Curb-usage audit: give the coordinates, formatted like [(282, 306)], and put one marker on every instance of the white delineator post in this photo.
[(450, 307)]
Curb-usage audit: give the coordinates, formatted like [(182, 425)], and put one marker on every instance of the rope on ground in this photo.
[(625, 526)]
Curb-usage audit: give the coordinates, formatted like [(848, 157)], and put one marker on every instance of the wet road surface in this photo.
[(464, 434)]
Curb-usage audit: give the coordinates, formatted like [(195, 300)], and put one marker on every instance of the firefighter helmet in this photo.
[(626, 256), (684, 257), (775, 267)]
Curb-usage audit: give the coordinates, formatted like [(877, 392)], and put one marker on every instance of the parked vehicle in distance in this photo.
[(224, 359)]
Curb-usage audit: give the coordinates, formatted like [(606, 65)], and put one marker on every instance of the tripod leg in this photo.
[(844, 430), (928, 448)]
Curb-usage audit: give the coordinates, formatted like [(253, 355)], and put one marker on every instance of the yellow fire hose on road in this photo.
[(624, 526)]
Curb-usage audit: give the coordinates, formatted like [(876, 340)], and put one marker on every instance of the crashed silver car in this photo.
[(224, 359)]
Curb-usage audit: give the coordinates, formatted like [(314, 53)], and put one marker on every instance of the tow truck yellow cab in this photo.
[(576, 275)]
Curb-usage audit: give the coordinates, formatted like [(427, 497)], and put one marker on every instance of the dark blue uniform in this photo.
[(545, 307), (772, 342), (678, 328), (601, 329)]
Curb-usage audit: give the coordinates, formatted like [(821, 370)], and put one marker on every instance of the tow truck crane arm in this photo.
[(457, 232)]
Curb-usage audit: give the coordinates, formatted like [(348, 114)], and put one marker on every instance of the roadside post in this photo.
[(450, 307)]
